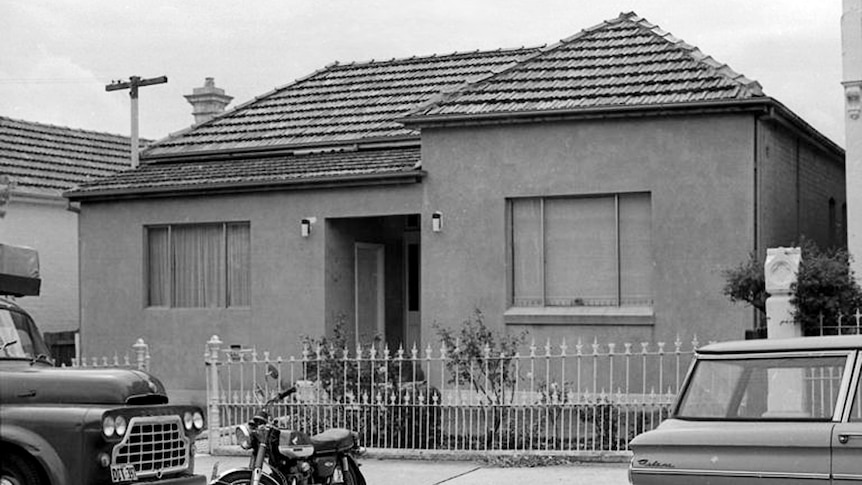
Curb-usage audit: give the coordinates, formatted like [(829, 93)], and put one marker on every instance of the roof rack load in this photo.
[(19, 271)]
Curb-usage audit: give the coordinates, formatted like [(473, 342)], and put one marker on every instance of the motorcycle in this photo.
[(293, 457)]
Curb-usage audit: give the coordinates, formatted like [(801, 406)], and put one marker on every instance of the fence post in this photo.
[(214, 344), (141, 350)]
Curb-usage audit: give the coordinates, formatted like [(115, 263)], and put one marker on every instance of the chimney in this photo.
[(207, 101)]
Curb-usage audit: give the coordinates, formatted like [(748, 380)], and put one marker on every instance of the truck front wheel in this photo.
[(18, 470)]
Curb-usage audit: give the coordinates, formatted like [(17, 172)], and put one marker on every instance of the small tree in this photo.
[(482, 359), (825, 290)]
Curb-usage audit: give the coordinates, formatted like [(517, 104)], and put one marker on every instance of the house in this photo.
[(38, 162), (592, 188)]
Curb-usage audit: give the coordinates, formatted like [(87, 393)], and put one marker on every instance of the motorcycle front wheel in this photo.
[(243, 477)]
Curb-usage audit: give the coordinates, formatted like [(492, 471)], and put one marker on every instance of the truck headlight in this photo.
[(187, 420), (243, 436), (120, 425), (198, 420), (108, 426)]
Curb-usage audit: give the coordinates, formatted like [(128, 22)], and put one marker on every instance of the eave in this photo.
[(767, 107)]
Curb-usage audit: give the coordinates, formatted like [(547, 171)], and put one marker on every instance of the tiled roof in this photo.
[(49, 159), (285, 169), (623, 62), (342, 102)]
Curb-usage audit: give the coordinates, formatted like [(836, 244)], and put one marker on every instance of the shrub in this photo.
[(825, 289)]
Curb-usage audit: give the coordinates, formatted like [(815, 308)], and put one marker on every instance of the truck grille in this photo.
[(155, 445)]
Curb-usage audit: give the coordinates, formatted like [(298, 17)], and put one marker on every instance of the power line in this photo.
[(47, 80)]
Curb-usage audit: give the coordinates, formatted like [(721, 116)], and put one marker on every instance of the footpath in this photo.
[(436, 472)]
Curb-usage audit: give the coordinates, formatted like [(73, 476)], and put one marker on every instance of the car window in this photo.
[(17, 336), (790, 388), (856, 408)]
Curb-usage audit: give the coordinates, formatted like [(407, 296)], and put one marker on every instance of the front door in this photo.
[(412, 320), (369, 292)]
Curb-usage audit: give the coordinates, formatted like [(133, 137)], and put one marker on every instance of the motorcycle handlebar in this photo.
[(285, 393)]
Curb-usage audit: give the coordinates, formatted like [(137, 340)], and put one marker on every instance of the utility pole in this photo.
[(134, 83)]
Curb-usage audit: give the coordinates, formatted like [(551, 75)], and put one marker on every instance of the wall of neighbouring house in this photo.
[(698, 170), (796, 182), (44, 224), (287, 271)]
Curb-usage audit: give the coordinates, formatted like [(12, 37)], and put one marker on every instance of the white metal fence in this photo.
[(591, 397), (139, 359)]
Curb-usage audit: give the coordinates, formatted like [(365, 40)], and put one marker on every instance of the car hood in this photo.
[(21, 382)]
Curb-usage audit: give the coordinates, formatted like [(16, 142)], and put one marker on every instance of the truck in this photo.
[(69, 426)]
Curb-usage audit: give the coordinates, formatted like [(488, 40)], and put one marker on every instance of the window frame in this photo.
[(510, 252), (169, 290)]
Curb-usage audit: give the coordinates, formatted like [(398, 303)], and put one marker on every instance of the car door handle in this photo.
[(27, 393), (843, 438)]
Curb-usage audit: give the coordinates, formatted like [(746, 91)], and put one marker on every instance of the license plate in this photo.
[(123, 473)]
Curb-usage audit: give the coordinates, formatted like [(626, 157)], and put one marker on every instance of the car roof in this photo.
[(842, 342)]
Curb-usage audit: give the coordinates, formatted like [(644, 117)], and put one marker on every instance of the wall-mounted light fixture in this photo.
[(306, 224), (437, 221)]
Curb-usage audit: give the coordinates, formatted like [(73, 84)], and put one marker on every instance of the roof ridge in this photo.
[(331, 66), (66, 128), (695, 53), (443, 97), (723, 69), (425, 57)]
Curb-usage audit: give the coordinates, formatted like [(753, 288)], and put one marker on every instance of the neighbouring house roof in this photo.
[(622, 62), (47, 159), (261, 173), (340, 103)]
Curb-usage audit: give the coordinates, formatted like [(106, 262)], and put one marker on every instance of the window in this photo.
[(198, 265), (581, 251), (797, 388)]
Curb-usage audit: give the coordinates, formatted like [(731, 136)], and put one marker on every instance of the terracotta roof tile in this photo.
[(43, 158), (343, 102), (270, 170), (623, 62)]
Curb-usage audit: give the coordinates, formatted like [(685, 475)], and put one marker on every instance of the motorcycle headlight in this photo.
[(120, 425), (243, 436), (187, 420), (198, 420), (108, 426)]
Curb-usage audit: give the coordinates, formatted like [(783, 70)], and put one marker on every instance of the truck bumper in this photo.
[(182, 480)]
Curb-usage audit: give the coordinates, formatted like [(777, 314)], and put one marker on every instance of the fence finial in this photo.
[(142, 352)]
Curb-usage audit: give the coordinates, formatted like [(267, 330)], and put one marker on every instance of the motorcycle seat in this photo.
[(336, 439)]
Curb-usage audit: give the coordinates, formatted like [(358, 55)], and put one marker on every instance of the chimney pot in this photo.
[(207, 101)]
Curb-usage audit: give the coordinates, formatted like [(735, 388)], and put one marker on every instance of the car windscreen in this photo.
[(19, 337), (786, 388)]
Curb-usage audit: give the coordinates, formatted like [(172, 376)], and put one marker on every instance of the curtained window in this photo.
[(581, 251), (198, 265)]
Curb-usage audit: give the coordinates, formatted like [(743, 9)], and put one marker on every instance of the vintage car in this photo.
[(64, 426), (761, 411)]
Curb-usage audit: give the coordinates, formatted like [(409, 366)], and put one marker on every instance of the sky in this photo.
[(57, 56)]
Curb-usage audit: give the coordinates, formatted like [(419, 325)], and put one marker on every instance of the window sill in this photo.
[(634, 316)]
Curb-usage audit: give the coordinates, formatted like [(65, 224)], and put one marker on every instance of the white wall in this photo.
[(44, 224)]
